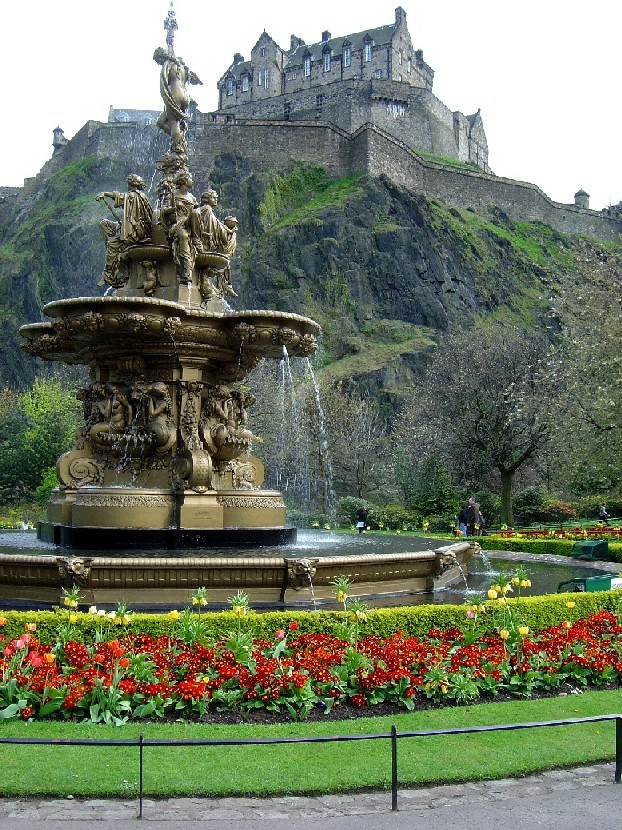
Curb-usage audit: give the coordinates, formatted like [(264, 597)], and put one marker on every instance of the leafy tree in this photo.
[(35, 431), (484, 404)]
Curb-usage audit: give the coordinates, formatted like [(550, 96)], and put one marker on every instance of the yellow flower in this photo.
[(341, 596), (173, 615), (523, 630), (570, 604), (525, 583), (73, 618), (444, 688), (240, 610), (515, 580), (492, 594), (566, 624), (502, 602), (504, 634), (505, 589)]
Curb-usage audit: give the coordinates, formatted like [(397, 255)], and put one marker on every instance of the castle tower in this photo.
[(58, 140)]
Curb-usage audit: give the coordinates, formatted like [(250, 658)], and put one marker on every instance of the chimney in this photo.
[(237, 58), (400, 16), (295, 42), (325, 37), (582, 199)]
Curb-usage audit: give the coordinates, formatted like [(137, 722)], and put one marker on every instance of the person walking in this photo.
[(473, 517)]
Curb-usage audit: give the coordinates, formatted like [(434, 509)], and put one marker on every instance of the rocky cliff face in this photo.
[(381, 269)]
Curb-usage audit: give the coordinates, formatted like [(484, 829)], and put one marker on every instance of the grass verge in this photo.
[(308, 768)]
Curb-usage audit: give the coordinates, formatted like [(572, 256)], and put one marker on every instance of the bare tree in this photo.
[(485, 403)]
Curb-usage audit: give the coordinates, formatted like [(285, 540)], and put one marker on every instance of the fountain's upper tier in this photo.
[(117, 331)]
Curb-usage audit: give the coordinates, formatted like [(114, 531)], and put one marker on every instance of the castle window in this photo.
[(293, 76), (245, 83), (260, 75), (409, 65), (307, 67), (319, 103), (378, 73), (266, 78), (327, 61), (347, 56), (263, 51), (229, 86), (400, 57), (367, 52), (396, 108), (287, 108)]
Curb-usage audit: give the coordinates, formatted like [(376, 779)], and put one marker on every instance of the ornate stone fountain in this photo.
[(163, 459)]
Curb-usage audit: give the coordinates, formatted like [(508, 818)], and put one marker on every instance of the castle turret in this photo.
[(582, 199), (59, 140)]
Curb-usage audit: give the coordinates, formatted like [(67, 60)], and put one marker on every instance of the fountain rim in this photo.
[(57, 307)]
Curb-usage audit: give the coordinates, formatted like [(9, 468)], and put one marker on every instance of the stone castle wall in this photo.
[(272, 145)]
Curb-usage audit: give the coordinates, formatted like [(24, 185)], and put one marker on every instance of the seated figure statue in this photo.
[(135, 226), (216, 237)]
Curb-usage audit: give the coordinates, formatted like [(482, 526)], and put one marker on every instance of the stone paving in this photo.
[(238, 812)]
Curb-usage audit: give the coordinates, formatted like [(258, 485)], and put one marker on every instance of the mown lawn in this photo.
[(307, 768)]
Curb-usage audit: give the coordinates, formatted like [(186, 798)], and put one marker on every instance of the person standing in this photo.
[(473, 517), (362, 519), (462, 519)]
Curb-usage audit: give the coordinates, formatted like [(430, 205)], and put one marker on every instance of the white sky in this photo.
[(545, 73)]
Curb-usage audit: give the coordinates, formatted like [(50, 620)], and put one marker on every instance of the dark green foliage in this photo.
[(33, 435)]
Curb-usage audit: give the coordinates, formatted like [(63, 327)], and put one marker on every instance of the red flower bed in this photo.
[(137, 676)]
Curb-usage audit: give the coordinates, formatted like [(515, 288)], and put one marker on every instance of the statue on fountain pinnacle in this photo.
[(174, 79)]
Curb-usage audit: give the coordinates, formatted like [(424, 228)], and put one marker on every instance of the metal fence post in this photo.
[(393, 769), (140, 776), (618, 772)]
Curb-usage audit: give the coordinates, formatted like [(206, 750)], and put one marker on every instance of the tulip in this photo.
[(279, 635), (30, 626), (173, 615), (523, 630), (492, 594), (570, 604), (504, 634)]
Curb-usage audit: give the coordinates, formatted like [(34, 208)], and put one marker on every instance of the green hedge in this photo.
[(557, 547), (536, 612)]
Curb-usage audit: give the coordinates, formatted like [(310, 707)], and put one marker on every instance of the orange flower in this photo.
[(31, 626), (3, 621)]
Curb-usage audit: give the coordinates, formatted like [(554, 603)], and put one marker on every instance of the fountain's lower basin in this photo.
[(160, 581)]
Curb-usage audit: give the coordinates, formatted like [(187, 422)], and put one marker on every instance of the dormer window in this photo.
[(307, 66), (347, 56), (327, 60)]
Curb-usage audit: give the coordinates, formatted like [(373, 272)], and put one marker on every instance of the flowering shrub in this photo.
[(186, 675)]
